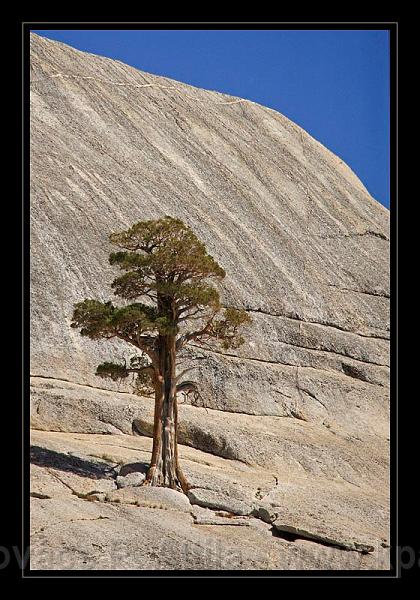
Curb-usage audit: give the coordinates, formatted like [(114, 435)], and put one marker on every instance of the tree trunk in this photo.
[(164, 467), (155, 470)]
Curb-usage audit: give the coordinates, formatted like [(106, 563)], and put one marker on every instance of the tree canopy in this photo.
[(166, 266)]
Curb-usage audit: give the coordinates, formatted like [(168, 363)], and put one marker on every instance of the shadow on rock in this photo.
[(42, 457), (138, 467)]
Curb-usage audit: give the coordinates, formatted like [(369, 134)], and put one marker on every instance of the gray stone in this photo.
[(130, 480), (76, 535), (204, 516), (324, 537), (96, 497), (285, 444), (219, 501), (151, 497), (71, 532), (328, 514)]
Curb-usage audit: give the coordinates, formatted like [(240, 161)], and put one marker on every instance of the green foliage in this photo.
[(114, 371), (139, 367), (226, 328), (131, 285), (93, 318), (139, 315), (103, 320), (165, 262), (166, 265), (171, 251)]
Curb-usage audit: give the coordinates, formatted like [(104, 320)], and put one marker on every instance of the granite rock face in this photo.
[(74, 526), (306, 251)]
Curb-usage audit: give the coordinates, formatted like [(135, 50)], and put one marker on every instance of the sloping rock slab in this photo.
[(317, 283), (353, 513), (151, 497), (70, 533), (339, 515), (54, 474), (322, 534), (219, 501), (287, 445)]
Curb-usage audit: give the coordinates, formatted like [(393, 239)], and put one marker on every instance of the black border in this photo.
[(390, 24)]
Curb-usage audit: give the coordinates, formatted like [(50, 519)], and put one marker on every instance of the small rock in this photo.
[(266, 513), (130, 480), (40, 496)]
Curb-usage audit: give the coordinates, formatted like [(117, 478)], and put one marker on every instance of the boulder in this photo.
[(130, 480)]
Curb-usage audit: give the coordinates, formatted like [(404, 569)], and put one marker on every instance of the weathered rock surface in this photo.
[(291, 509), (204, 516), (219, 500), (151, 497), (154, 528), (286, 445), (304, 245), (303, 403)]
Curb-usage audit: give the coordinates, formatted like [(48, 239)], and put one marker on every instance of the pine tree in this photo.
[(169, 274)]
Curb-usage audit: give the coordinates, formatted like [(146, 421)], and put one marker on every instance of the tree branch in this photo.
[(178, 377), (142, 370), (184, 339)]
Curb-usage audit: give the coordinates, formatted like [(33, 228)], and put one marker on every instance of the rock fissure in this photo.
[(311, 395), (83, 385), (96, 79), (43, 529), (318, 323), (340, 354), (375, 294), (353, 234), (135, 85), (276, 362)]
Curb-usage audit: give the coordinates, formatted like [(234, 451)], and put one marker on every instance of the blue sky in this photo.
[(334, 84)]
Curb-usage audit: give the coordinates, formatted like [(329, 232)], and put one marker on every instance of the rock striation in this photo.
[(306, 251)]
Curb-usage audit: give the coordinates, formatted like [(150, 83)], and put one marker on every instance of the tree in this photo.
[(169, 273)]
